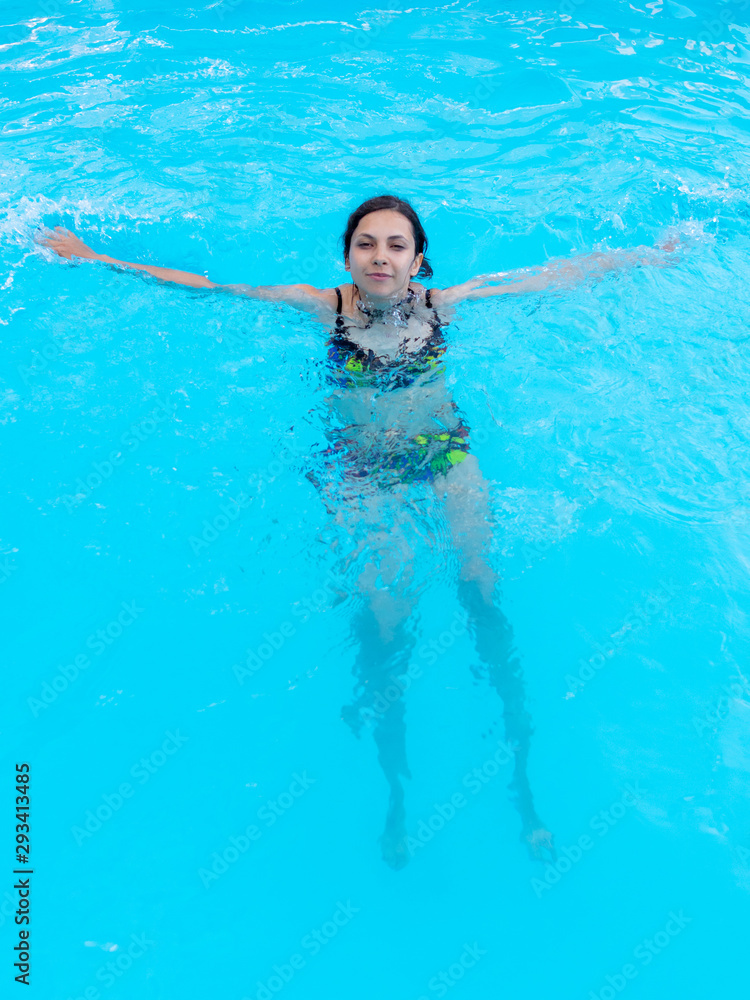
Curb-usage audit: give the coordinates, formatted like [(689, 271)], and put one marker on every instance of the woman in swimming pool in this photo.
[(392, 423)]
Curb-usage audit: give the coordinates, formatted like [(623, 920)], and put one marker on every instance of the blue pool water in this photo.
[(184, 623)]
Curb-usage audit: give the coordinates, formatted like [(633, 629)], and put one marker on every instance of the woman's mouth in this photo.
[(379, 276)]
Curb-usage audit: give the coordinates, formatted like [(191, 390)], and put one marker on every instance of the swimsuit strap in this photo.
[(340, 325), (428, 302)]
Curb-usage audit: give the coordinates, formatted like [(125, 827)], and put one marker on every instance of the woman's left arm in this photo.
[(556, 274)]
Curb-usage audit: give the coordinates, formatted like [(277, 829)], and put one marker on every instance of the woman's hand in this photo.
[(66, 244), (673, 242)]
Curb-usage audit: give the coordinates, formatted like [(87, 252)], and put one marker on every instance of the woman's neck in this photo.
[(393, 314), (380, 303)]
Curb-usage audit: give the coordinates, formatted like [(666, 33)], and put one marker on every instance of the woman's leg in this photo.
[(381, 568), (467, 508)]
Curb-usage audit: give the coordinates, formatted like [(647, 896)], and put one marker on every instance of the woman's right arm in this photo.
[(561, 273), (306, 297)]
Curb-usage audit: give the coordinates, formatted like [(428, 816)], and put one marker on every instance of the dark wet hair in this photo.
[(389, 201)]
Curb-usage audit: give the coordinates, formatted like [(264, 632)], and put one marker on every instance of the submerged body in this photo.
[(391, 422)]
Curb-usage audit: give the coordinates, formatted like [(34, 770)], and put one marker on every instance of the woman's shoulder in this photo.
[(327, 295), (331, 296), (430, 296), (433, 296)]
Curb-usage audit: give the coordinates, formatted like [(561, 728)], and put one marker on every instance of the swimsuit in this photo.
[(363, 367), (419, 458)]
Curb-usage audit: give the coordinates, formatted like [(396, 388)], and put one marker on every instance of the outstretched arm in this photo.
[(306, 297), (556, 274)]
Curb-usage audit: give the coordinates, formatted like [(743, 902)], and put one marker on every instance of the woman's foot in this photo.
[(393, 844), (540, 843)]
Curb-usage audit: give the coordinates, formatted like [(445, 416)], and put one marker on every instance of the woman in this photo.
[(392, 423)]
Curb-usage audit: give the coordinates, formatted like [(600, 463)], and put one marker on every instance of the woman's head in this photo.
[(384, 246)]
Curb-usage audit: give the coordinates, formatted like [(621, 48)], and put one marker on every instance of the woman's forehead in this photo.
[(385, 222)]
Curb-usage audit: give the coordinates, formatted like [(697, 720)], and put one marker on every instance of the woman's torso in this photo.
[(389, 373)]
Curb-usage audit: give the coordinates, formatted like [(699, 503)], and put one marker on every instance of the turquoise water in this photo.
[(202, 810)]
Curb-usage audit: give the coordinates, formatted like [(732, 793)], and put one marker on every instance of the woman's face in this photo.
[(381, 255)]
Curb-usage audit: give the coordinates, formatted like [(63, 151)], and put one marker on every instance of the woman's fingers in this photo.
[(672, 241), (56, 243), (61, 240), (49, 237)]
